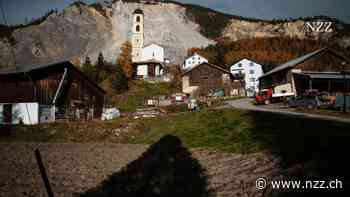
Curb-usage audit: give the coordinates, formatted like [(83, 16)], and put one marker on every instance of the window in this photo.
[(138, 19), (153, 54), (251, 64), (137, 28), (251, 71), (240, 65), (252, 79)]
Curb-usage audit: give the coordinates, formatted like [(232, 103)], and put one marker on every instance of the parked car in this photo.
[(339, 103), (267, 96), (264, 97), (311, 99)]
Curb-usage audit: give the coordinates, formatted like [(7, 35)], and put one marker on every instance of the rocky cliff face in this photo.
[(82, 30)]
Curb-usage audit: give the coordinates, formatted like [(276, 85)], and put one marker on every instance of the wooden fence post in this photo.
[(43, 173)]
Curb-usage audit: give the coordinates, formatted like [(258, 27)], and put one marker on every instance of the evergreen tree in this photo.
[(100, 61), (119, 80), (89, 70)]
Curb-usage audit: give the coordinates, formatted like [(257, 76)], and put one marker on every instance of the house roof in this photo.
[(243, 60), (155, 44), (211, 65), (323, 75), (14, 72), (302, 59), (195, 55)]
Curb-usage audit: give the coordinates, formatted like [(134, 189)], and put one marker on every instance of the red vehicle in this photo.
[(264, 97)]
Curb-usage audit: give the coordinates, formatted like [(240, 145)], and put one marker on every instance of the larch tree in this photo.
[(124, 60)]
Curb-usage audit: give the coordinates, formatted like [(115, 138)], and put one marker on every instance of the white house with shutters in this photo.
[(193, 61), (251, 72)]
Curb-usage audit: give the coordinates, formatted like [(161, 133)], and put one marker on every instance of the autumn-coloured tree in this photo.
[(76, 61), (124, 60)]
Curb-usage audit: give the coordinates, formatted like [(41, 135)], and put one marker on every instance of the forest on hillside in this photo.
[(269, 52)]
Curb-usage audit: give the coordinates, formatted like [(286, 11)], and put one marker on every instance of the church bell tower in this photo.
[(137, 35)]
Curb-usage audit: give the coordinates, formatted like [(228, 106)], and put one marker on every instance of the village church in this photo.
[(148, 60)]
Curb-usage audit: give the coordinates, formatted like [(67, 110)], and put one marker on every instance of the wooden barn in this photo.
[(205, 79), (320, 70), (45, 93)]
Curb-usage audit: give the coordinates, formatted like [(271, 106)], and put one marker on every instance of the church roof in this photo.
[(138, 11)]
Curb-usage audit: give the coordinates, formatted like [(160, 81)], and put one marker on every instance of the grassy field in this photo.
[(74, 132), (138, 94), (224, 130), (245, 132)]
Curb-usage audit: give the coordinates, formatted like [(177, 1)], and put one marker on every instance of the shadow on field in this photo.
[(165, 169), (319, 148)]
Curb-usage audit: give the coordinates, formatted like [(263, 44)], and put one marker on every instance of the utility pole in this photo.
[(345, 87)]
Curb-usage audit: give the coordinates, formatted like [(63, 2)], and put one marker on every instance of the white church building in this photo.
[(193, 61), (148, 60), (251, 72)]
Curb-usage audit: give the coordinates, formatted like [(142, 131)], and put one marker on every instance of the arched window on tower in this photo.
[(138, 18), (137, 28)]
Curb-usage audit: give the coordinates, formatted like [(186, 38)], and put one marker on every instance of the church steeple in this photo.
[(137, 35)]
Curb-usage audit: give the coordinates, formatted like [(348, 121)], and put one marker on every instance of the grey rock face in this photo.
[(81, 31)]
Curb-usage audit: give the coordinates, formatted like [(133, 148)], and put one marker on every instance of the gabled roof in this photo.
[(148, 45), (14, 72), (29, 68), (243, 60), (211, 65), (302, 59), (195, 54)]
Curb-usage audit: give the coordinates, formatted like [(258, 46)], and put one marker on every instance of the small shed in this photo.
[(205, 79)]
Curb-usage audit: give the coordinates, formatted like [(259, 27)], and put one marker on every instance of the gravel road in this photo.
[(75, 168), (246, 104)]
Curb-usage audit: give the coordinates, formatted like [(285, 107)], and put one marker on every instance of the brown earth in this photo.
[(75, 168)]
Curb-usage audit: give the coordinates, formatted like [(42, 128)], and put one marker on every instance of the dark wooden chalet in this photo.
[(320, 70), (60, 85), (205, 79)]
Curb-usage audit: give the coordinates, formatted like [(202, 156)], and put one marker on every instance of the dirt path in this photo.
[(247, 105), (74, 168)]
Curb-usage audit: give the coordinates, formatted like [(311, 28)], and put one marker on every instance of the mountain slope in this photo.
[(83, 30)]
